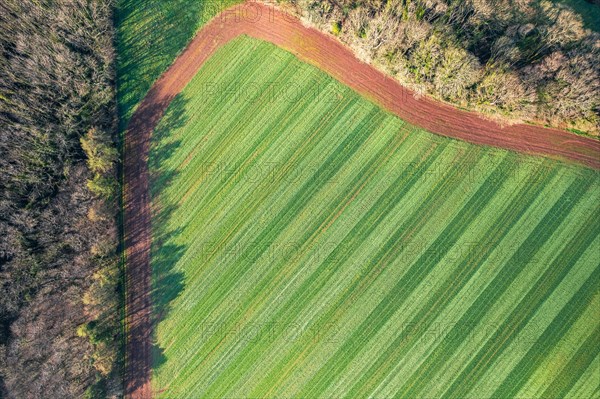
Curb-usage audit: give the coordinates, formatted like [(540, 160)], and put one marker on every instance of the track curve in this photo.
[(324, 51)]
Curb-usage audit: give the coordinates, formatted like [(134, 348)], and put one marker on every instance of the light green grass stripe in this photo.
[(231, 129), (264, 189), (252, 203), (334, 270), (579, 363), (203, 120), (478, 333), (217, 196), (279, 271), (297, 195), (267, 203), (176, 121), (244, 115), (560, 355), (390, 273), (360, 298), (325, 212), (254, 297)]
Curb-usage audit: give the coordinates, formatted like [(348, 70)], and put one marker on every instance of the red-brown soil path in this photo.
[(324, 51)]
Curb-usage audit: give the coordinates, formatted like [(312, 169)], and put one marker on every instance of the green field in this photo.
[(308, 244)]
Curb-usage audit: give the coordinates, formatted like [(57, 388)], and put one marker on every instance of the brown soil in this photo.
[(324, 51)]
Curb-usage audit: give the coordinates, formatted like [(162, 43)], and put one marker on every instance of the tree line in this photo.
[(59, 269), (532, 60)]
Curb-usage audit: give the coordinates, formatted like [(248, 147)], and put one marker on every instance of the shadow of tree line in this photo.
[(167, 283)]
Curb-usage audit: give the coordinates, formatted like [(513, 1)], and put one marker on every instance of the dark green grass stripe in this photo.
[(213, 193), (402, 289), (237, 77), (241, 119), (163, 133), (213, 198), (551, 336), (466, 268), (528, 306), (339, 255), (578, 364), (528, 248), (245, 213)]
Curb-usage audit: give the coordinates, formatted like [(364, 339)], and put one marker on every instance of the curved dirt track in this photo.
[(266, 23)]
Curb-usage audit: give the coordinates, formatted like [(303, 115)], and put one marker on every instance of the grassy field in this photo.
[(150, 35), (308, 244)]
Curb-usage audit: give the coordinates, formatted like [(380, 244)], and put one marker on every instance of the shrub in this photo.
[(336, 28)]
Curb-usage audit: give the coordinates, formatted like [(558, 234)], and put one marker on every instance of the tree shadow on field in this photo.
[(588, 10), (150, 34), (167, 282)]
